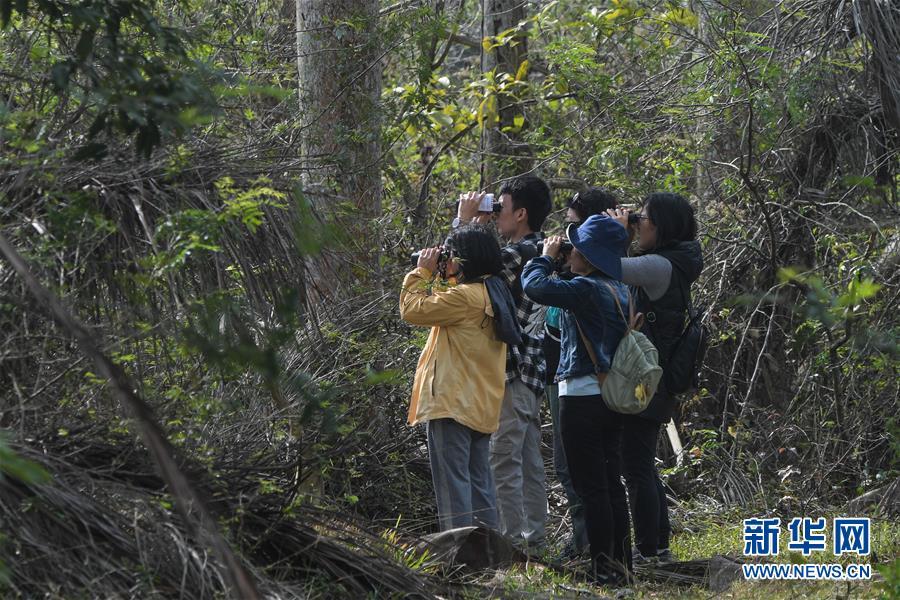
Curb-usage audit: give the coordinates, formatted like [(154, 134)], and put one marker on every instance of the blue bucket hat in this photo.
[(602, 241)]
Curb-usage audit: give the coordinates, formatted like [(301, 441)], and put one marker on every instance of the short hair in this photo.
[(478, 250), (673, 216), (531, 193), (592, 201)]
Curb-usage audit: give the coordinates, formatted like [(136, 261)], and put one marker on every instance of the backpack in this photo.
[(686, 355), (634, 374)]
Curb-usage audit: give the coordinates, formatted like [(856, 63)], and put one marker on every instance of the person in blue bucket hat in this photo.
[(591, 432), (592, 201)]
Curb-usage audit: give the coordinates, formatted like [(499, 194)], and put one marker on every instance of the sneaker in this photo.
[(639, 560), (570, 551), (665, 556), (617, 581)]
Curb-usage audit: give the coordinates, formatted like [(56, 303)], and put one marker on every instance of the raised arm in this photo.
[(543, 289), (651, 272), (429, 309)]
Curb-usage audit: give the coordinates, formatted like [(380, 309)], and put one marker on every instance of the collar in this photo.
[(534, 236)]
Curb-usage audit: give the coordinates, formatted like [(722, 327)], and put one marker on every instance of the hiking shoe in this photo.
[(665, 556), (571, 551), (639, 560)]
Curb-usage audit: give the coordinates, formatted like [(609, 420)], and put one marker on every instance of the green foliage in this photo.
[(408, 554), (129, 70), (890, 584), (27, 472), (13, 465)]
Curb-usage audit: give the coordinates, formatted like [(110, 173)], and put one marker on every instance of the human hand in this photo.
[(428, 258), (483, 218), (552, 245), (619, 215), (468, 206)]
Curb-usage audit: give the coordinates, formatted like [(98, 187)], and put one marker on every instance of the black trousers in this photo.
[(592, 437), (646, 494)]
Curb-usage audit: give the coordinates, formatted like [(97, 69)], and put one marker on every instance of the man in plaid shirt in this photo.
[(516, 446)]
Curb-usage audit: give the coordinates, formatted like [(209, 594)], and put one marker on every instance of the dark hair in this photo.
[(592, 201), (531, 193), (478, 250), (673, 217)]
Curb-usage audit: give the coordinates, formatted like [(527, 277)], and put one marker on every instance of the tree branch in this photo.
[(187, 499)]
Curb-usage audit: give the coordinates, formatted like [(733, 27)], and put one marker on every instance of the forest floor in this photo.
[(709, 535)]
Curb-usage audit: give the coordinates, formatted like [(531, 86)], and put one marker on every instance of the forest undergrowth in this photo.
[(236, 253)]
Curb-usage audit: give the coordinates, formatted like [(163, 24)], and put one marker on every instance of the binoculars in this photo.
[(443, 257), (634, 218), (488, 204), (564, 248)]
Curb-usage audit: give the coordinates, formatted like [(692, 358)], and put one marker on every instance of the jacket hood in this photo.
[(686, 257)]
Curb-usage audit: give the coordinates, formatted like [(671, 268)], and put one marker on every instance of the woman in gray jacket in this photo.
[(669, 262)]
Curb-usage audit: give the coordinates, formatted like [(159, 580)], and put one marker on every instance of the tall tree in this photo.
[(339, 83), (503, 148)]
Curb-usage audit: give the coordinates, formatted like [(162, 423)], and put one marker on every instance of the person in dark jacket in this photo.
[(592, 201), (596, 302), (670, 261)]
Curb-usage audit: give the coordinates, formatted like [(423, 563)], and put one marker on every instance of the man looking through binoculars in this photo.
[(515, 448)]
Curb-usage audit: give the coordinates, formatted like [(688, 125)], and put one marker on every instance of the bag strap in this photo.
[(601, 377), (634, 320), (632, 323), (684, 286)]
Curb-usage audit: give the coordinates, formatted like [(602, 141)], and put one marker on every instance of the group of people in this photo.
[(511, 325)]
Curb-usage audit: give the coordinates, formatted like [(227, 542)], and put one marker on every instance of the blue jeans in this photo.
[(576, 508), (461, 473)]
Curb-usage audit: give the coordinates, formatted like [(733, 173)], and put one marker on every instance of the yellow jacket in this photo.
[(462, 370)]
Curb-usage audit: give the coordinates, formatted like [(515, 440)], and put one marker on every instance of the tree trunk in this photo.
[(504, 153), (339, 84)]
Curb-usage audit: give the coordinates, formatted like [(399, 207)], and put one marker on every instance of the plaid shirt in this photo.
[(526, 360)]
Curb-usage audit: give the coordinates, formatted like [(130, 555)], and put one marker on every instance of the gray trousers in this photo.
[(576, 508), (518, 466), (461, 474)]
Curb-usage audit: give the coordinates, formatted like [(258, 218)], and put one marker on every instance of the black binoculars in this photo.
[(564, 248), (634, 218), (443, 257)]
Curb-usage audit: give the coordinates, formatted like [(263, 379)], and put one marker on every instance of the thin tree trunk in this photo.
[(504, 153), (339, 86)]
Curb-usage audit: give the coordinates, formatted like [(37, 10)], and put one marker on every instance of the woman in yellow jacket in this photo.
[(459, 381)]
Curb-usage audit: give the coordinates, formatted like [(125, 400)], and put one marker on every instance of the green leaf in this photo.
[(441, 119), (682, 16), (389, 376), (522, 71), (26, 471), (858, 180)]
